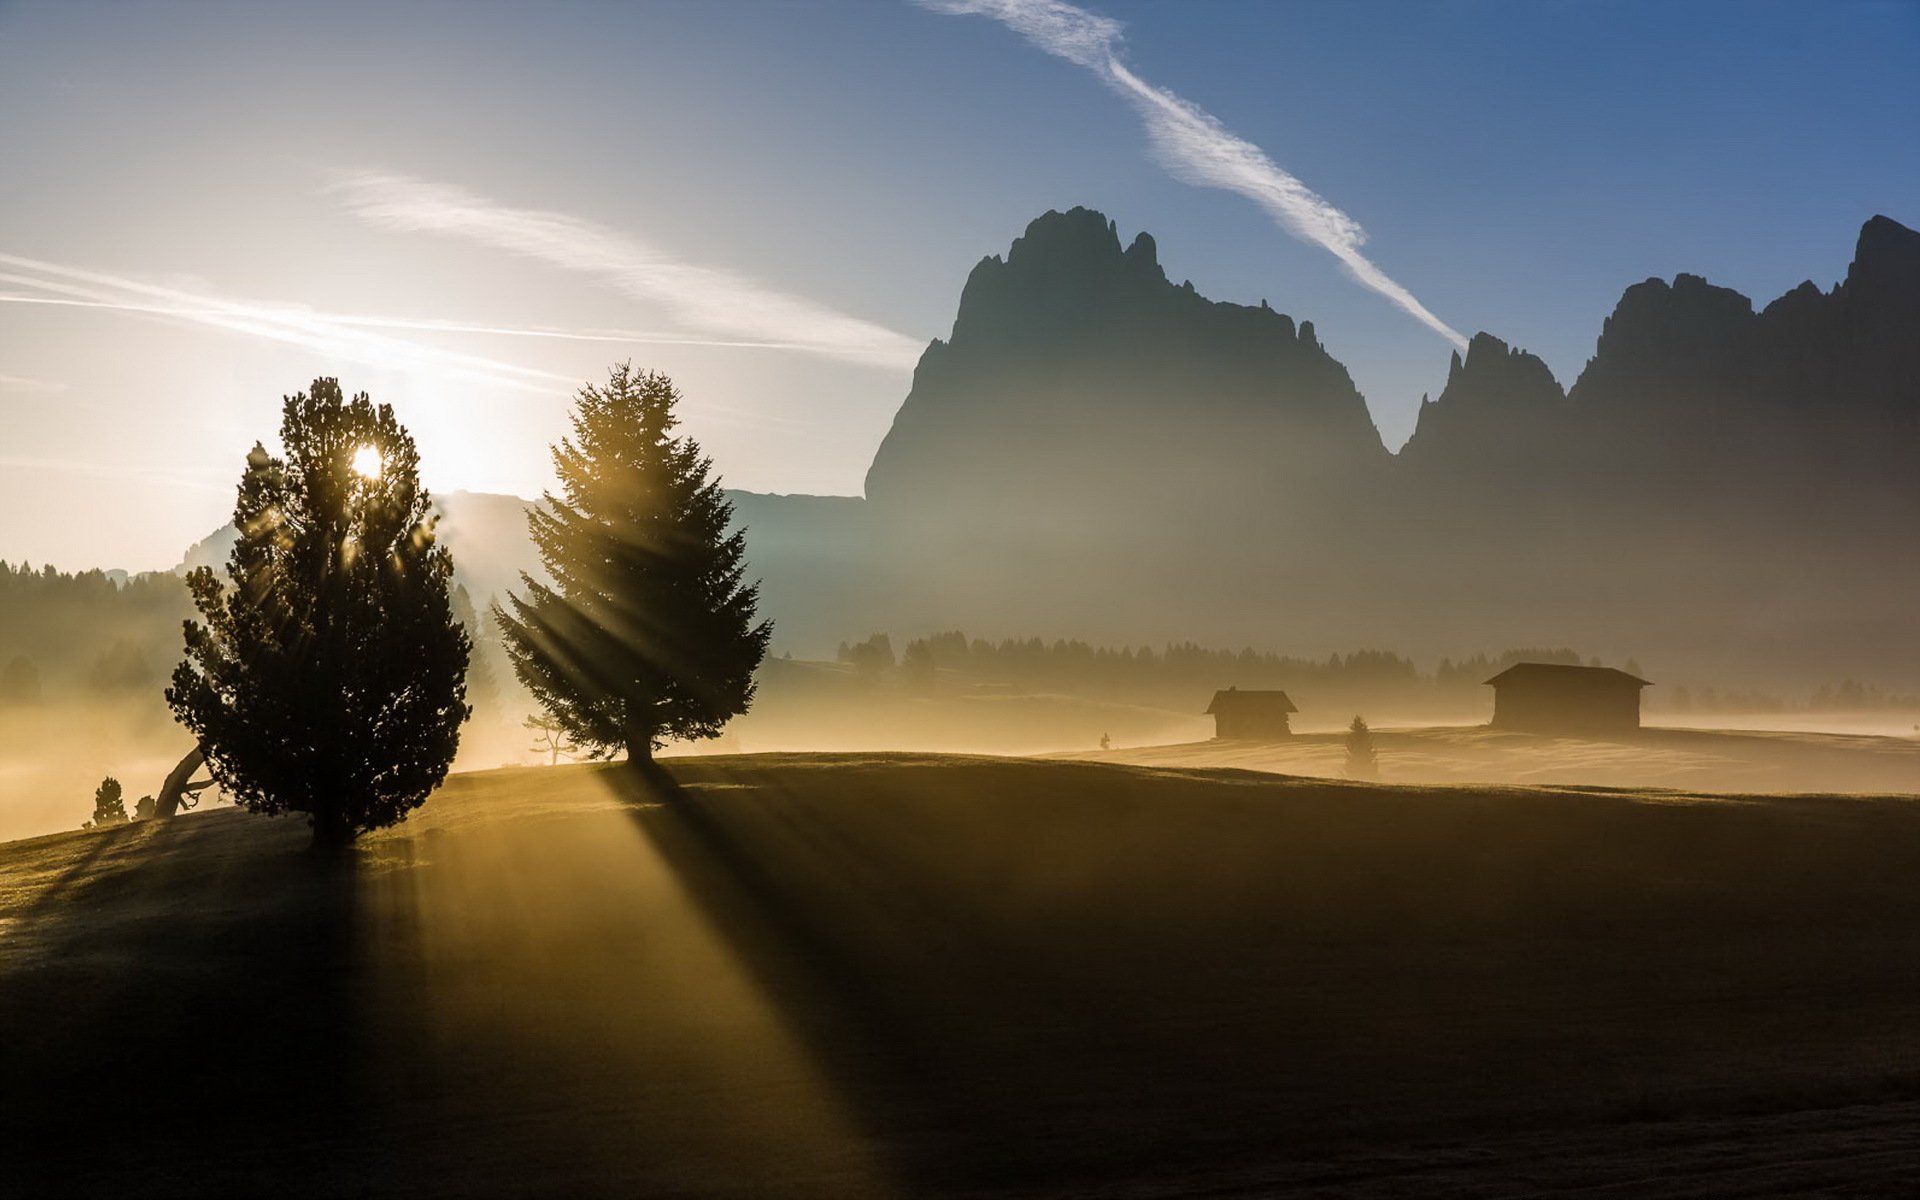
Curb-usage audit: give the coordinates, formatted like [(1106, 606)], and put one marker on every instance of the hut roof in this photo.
[(1566, 673), (1250, 701)]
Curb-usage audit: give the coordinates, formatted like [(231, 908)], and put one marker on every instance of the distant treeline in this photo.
[(1847, 696), (88, 632), (1180, 671)]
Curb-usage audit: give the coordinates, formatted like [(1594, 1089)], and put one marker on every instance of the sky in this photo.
[(467, 210)]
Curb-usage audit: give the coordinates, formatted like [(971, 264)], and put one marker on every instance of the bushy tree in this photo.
[(327, 677), (918, 666), (648, 631), (1363, 762), (109, 806), (871, 657)]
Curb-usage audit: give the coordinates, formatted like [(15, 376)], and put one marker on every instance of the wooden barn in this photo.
[(1251, 716), (1558, 698)]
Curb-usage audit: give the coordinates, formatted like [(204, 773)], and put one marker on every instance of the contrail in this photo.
[(56, 283), (634, 337), (1191, 143), (713, 300), (339, 334)]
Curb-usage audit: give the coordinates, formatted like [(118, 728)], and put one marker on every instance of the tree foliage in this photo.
[(648, 631), (109, 805), (1363, 761), (91, 630), (327, 677)]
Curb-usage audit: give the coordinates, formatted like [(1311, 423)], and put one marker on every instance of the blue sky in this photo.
[(821, 176)]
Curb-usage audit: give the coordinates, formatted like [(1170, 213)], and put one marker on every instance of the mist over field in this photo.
[(988, 599)]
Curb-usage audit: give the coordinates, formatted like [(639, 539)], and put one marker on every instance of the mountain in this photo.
[(1097, 452), (1081, 386)]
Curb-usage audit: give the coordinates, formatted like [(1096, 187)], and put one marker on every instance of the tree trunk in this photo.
[(331, 834), (640, 747), (167, 803), (640, 763)]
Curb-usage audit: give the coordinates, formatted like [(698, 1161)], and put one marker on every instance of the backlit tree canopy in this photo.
[(326, 675), (648, 630)]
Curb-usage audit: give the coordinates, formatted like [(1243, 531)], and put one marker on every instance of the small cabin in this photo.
[(1251, 716), (1564, 699)]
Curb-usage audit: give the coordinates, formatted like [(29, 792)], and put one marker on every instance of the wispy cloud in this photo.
[(329, 335), (25, 383), (631, 337), (1192, 143), (729, 306)]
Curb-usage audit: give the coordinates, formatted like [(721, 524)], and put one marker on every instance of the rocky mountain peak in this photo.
[(1886, 264)]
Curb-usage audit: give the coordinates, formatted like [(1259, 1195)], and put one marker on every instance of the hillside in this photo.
[(1742, 760), (872, 975)]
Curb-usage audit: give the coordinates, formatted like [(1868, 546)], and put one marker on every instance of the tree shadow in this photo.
[(975, 1057), (185, 1022)]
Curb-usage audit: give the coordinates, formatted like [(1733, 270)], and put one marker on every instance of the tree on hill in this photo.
[(1363, 762), (648, 632), (550, 739), (109, 806), (919, 667), (328, 675), (871, 657)]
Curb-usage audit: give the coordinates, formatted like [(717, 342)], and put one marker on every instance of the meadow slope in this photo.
[(848, 975), (1702, 759)]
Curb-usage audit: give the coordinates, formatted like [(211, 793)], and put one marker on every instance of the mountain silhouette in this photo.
[(1081, 385), (1099, 452)]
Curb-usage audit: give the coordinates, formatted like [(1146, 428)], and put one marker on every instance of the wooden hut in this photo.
[(1560, 698), (1251, 716)]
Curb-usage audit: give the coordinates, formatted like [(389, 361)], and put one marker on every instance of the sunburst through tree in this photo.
[(328, 675), (648, 632)]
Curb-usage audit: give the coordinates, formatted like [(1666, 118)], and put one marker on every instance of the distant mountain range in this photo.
[(1099, 452)]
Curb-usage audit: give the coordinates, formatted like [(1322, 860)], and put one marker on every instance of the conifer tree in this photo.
[(109, 805), (1363, 762), (483, 691), (648, 631), (327, 678)]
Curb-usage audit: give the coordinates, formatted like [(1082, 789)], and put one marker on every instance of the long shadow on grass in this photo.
[(976, 1060), (184, 1023)]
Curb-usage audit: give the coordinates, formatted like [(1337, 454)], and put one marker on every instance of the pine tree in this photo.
[(482, 689), (1362, 761), (327, 678), (109, 806), (648, 631)]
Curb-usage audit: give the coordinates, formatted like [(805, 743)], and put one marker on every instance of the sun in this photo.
[(367, 462)]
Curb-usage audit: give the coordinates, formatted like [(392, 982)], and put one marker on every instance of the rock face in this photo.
[(1499, 405), (1701, 400), (1081, 384)]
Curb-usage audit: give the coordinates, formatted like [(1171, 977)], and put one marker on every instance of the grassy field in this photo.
[(1703, 759), (871, 975)]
